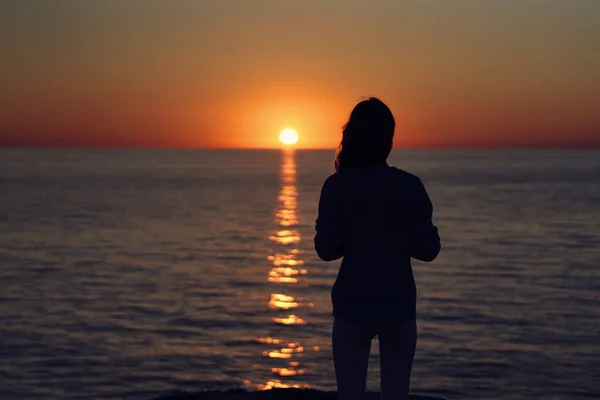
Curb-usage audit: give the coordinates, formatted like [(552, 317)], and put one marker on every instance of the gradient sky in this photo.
[(233, 73)]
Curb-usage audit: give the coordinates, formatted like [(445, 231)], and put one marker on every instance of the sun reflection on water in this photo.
[(276, 383), (281, 301), (286, 269), (286, 236), (290, 320)]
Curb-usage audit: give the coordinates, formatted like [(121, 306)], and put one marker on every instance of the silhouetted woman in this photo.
[(376, 217)]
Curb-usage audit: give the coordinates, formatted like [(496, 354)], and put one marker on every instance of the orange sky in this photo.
[(184, 73)]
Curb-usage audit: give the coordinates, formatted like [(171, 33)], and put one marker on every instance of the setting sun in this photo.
[(288, 136)]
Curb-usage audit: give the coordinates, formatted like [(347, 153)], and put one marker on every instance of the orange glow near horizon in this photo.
[(454, 77)]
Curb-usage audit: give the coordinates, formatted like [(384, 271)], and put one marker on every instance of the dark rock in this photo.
[(273, 394)]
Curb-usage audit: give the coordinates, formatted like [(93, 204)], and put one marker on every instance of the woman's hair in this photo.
[(368, 136)]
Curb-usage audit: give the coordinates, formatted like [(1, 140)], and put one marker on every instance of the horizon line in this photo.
[(582, 146)]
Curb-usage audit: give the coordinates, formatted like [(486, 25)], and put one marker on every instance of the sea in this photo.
[(131, 274)]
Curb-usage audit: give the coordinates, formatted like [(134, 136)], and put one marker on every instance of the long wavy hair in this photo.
[(367, 137)]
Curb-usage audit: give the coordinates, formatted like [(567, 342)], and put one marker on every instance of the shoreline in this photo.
[(273, 394)]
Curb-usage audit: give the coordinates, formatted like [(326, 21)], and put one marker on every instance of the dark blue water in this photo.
[(130, 273)]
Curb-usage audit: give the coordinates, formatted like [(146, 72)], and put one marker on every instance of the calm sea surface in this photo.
[(132, 273)]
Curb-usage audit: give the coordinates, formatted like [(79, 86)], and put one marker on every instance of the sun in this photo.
[(288, 136)]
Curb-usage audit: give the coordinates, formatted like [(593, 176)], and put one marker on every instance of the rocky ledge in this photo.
[(273, 394)]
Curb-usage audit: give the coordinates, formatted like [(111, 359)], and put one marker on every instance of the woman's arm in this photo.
[(425, 243), (329, 242)]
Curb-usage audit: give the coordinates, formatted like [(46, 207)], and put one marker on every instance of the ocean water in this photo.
[(127, 274)]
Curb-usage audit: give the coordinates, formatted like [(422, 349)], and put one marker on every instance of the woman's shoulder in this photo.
[(405, 176), (333, 177), (333, 180)]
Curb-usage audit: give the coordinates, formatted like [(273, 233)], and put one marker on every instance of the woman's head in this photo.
[(368, 136)]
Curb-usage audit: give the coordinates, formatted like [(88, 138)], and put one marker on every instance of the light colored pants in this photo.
[(351, 343)]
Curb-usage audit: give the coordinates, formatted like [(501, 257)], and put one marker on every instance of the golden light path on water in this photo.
[(286, 271)]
